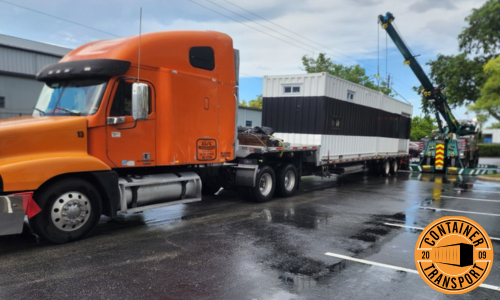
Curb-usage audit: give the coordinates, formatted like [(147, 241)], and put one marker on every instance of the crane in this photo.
[(453, 147)]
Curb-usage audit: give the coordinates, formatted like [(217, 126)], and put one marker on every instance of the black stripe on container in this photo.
[(318, 115)]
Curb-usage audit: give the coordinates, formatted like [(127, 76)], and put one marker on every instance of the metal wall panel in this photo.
[(403, 145), (311, 84), (249, 115), (318, 115), (24, 62), (300, 139), (16, 61), (387, 146), (347, 146), (20, 95), (42, 60)]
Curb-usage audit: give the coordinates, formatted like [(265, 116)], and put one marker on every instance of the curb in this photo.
[(487, 178)]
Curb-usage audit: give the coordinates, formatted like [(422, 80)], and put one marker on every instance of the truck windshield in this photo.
[(80, 97)]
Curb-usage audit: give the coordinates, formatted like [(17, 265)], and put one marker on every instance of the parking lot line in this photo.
[(420, 228), (460, 211), (367, 262), (481, 191), (472, 199)]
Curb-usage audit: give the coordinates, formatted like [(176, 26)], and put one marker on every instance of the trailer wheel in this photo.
[(71, 208), (287, 178), (265, 183), (385, 168), (394, 167)]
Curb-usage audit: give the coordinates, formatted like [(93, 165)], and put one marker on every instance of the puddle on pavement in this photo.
[(460, 181), (302, 218), (371, 234), (298, 283)]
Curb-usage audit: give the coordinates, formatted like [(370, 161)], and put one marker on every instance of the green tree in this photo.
[(354, 73), (494, 126), (483, 33), (243, 103), (421, 127), (463, 74), (490, 92), (256, 103)]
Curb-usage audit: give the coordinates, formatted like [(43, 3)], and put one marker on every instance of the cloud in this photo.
[(348, 33), (422, 6)]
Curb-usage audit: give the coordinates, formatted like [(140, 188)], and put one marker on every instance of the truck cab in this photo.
[(115, 115)]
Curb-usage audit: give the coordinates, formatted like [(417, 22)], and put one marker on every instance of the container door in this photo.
[(129, 143)]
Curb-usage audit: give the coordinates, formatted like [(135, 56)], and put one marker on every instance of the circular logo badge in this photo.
[(454, 255)]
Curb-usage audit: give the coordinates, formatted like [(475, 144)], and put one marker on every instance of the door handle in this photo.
[(116, 120)]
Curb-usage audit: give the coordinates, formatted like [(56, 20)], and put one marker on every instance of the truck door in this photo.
[(129, 143)]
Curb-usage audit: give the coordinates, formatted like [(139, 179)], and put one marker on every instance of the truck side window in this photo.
[(202, 58), (122, 102)]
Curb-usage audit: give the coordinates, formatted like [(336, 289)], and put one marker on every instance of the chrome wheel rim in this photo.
[(387, 167), (265, 184), (395, 167), (70, 211), (289, 180)]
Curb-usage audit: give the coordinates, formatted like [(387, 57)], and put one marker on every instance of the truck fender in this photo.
[(28, 174), (246, 174), (109, 189)]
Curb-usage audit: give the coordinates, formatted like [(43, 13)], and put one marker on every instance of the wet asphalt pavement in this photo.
[(227, 248)]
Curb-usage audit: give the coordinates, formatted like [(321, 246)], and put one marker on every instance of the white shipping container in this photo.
[(348, 120)]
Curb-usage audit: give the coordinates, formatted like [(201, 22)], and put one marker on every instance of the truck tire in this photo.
[(287, 179), (385, 168), (265, 184), (71, 208), (394, 167)]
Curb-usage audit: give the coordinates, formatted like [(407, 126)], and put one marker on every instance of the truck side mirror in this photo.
[(140, 101)]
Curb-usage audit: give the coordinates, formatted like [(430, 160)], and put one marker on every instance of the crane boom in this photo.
[(431, 93)]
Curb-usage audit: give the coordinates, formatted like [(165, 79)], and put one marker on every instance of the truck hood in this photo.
[(30, 136)]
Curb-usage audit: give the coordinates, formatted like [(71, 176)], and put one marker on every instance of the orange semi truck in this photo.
[(109, 135), (138, 123)]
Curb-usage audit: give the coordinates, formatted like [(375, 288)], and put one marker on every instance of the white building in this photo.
[(491, 136), (249, 116)]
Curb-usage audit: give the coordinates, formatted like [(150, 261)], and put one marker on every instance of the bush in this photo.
[(489, 150)]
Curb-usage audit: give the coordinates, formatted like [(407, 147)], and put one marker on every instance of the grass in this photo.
[(493, 175)]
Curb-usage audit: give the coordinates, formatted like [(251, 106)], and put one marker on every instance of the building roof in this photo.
[(250, 108), (19, 43)]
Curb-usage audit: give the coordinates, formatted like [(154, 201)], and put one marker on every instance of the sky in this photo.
[(272, 35)]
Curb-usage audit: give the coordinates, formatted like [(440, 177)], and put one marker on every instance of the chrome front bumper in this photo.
[(11, 214)]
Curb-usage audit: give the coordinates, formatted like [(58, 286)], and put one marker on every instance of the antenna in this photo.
[(139, 58)]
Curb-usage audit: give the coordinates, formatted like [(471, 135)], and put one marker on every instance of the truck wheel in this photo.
[(394, 167), (71, 208), (287, 178), (265, 183), (385, 168)]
